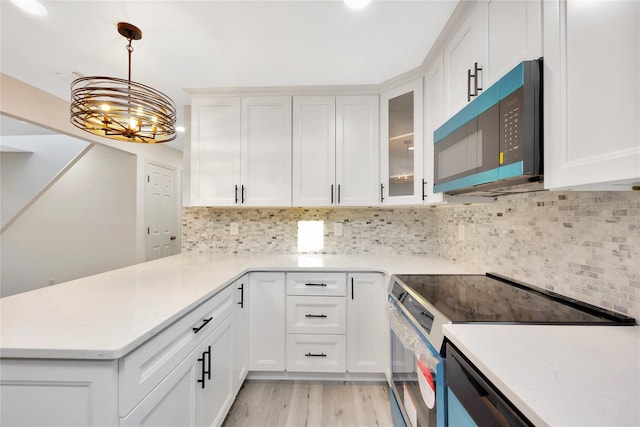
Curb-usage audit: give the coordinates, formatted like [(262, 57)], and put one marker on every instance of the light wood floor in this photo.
[(263, 403)]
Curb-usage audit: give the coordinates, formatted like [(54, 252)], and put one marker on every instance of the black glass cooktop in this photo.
[(493, 298)]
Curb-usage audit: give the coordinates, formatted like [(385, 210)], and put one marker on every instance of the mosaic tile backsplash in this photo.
[(582, 244)]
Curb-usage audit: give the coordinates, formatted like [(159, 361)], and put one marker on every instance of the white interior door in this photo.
[(160, 212)]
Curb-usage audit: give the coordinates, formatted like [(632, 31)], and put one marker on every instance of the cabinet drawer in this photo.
[(318, 283), (145, 367), (316, 315), (315, 353)]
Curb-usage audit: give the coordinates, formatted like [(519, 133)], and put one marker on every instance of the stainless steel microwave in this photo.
[(494, 144)]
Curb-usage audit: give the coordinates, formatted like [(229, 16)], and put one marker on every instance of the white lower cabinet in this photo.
[(266, 321), (315, 353), (241, 331), (367, 328)]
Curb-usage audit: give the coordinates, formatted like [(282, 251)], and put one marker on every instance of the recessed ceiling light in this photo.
[(356, 4), (179, 128), (33, 7)]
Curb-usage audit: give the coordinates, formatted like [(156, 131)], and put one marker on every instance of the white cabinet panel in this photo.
[(367, 327), (315, 353), (514, 35), (462, 51), (241, 331), (316, 283), (357, 150), (216, 394), (591, 94), (214, 158), (314, 150), (267, 327), (266, 151), (316, 315), (58, 393)]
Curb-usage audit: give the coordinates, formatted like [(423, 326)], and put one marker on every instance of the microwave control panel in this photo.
[(511, 128)]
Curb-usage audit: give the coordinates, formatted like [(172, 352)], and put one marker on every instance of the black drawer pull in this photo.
[(322, 316), (204, 323), (315, 355), (315, 284)]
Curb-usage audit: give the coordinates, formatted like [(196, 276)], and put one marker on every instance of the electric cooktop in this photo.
[(432, 300)]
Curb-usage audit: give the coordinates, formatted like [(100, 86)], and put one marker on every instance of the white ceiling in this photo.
[(215, 44)]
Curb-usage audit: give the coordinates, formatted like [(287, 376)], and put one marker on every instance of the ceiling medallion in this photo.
[(120, 109)]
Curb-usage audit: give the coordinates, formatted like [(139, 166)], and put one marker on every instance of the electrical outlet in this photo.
[(233, 227), (337, 229)]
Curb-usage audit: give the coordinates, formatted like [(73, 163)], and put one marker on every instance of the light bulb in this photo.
[(105, 107), (356, 4)]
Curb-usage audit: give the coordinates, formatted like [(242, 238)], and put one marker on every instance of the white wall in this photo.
[(84, 224), (89, 221), (24, 173)]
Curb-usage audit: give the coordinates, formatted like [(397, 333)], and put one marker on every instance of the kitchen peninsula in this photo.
[(101, 321)]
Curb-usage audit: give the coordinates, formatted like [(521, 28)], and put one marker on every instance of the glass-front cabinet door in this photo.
[(402, 145)]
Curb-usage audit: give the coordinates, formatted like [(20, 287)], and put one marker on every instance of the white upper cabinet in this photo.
[(591, 94), (514, 33), (464, 60), (266, 151), (214, 151), (357, 148), (401, 145), (314, 150), (240, 151), (495, 37), (433, 118), (335, 150)]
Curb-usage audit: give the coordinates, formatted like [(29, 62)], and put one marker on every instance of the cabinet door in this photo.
[(267, 299), (367, 327), (465, 48), (357, 149), (58, 392), (214, 151), (401, 146), (514, 35), (314, 151), (433, 116), (216, 397), (591, 94), (266, 151), (172, 402), (241, 328)]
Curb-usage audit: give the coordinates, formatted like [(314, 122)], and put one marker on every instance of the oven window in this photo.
[(413, 386)]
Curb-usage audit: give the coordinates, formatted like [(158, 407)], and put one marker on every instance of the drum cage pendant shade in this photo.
[(121, 109)]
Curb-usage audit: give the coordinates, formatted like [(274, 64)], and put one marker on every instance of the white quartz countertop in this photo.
[(559, 375), (107, 315)]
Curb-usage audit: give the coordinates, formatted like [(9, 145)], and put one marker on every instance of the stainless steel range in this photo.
[(420, 304)]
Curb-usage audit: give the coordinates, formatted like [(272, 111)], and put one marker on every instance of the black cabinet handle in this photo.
[(352, 288), (468, 84), (241, 288), (475, 76), (205, 371), (423, 184), (381, 193), (331, 193), (242, 193), (236, 195), (338, 193), (321, 316), (204, 323), (315, 355), (315, 284)]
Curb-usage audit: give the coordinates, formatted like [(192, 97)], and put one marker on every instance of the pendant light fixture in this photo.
[(120, 109)]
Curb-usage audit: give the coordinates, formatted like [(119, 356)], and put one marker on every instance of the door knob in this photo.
[(173, 237)]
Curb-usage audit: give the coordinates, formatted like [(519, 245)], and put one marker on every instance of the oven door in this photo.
[(417, 391)]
